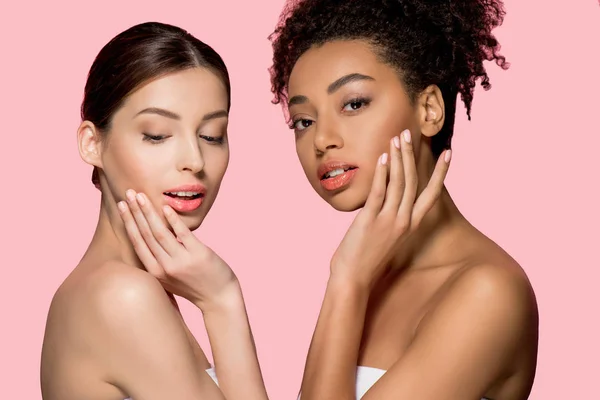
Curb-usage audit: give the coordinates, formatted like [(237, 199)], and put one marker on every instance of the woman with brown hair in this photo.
[(154, 126)]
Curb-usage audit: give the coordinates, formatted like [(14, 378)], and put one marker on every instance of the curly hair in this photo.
[(441, 42)]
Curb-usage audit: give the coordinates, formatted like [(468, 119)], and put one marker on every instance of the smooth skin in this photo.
[(188, 268), (414, 288), (114, 328)]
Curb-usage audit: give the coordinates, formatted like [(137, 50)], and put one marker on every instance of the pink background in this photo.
[(525, 171)]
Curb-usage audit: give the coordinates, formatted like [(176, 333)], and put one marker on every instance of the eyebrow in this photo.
[(347, 79), (333, 87), (159, 111), (215, 115), (297, 100), (172, 115)]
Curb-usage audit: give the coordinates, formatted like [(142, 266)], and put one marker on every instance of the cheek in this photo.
[(373, 142), (305, 153), (134, 167), (216, 162), (379, 130), (138, 165)]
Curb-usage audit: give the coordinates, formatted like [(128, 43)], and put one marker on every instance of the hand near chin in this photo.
[(183, 265), (389, 216)]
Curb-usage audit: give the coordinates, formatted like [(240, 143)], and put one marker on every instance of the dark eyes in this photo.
[(301, 124), (355, 104), (350, 106)]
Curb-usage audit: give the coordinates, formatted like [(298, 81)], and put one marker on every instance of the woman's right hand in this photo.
[(181, 263), (188, 268), (389, 216)]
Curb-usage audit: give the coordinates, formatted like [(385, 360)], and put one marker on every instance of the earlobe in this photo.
[(431, 106), (89, 143)]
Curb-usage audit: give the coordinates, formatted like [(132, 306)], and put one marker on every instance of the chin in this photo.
[(346, 201), (192, 222)]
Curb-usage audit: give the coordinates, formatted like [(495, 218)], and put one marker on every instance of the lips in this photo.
[(185, 198), (334, 175), (330, 166)]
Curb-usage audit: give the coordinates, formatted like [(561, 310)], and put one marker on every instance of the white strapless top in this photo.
[(210, 372), (366, 377)]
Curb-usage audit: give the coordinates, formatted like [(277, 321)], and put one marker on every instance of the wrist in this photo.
[(347, 288), (228, 299), (342, 278)]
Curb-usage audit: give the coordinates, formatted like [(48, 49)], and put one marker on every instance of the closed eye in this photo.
[(213, 139), (153, 138)]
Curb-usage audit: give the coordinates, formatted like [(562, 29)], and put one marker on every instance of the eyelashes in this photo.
[(356, 103), (349, 107), (303, 121), (213, 139), (153, 138), (156, 139)]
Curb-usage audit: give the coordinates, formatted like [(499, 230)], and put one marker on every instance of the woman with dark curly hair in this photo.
[(419, 303)]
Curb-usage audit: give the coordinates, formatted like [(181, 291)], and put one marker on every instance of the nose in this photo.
[(327, 137), (190, 156)]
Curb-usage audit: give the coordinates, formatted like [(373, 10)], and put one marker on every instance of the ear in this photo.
[(430, 105), (90, 144)]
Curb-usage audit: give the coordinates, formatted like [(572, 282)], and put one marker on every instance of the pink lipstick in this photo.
[(185, 198), (335, 175)]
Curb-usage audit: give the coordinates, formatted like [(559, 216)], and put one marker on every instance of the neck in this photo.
[(110, 241), (433, 242)]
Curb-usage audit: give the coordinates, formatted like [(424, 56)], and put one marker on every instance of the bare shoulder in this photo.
[(491, 294), (491, 302), (135, 341), (147, 336), (500, 279), (99, 307), (114, 289), (493, 287), (109, 289), (95, 302), (94, 283), (489, 275)]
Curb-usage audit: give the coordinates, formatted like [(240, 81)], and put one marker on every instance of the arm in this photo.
[(330, 371), (360, 260), (466, 343), (459, 350), (389, 217), (186, 267), (233, 347)]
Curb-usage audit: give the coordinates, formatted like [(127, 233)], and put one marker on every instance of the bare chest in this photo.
[(395, 310)]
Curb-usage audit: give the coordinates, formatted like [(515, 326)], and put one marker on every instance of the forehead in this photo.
[(321, 65), (189, 91)]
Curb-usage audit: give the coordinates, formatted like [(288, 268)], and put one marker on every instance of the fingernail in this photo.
[(167, 210), (130, 195), (121, 206), (448, 156), (406, 135), (396, 141), (384, 158), (140, 199)]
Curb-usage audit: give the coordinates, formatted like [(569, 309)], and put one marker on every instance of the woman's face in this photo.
[(346, 106), (169, 141)]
